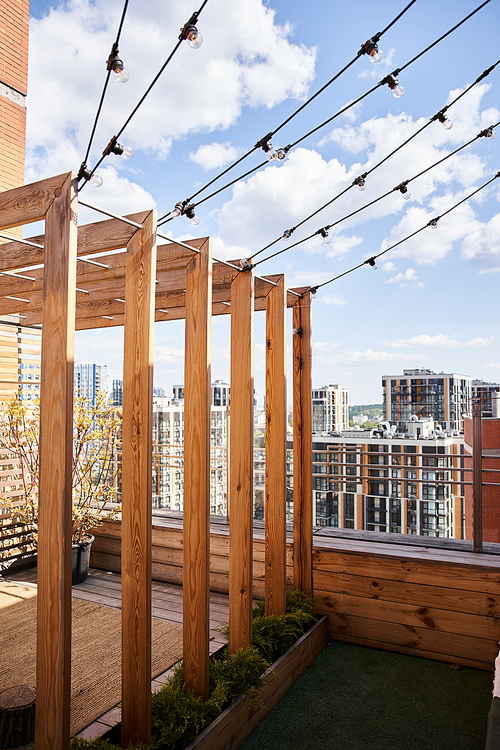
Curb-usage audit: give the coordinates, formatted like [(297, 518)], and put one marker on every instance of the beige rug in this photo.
[(96, 651)]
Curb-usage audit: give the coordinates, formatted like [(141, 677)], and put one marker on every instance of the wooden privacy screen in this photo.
[(53, 280)]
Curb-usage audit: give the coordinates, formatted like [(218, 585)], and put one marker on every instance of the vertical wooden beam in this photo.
[(241, 463), (275, 493), (197, 402), (302, 445), (53, 671), (477, 478), (137, 483)]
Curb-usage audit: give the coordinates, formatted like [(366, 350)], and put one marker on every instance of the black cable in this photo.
[(115, 45), (441, 112), (432, 222), (294, 114), (333, 117), (148, 90)]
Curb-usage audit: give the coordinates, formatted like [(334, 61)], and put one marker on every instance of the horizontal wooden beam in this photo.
[(29, 203)]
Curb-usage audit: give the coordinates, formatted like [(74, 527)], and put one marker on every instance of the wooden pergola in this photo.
[(63, 289)]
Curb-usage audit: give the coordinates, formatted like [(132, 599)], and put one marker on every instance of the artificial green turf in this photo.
[(360, 698)]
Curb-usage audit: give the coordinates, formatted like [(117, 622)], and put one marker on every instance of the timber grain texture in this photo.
[(439, 604)]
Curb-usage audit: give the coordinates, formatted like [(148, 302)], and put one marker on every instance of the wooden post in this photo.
[(477, 478), (197, 399), (275, 510), (53, 671), (137, 483), (302, 445), (241, 463)]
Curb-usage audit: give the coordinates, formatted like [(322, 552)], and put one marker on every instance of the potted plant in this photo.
[(95, 467)]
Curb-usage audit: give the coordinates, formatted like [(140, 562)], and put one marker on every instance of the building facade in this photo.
[(487, 394), (89, 379), (330, 409), (405, 485), (490, 494), (445, 398), (116, 397), (20, 361)]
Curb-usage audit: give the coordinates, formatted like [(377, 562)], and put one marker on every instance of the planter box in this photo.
[(233, 727)]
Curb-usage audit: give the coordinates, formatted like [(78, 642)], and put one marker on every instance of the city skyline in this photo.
[(430, 303)]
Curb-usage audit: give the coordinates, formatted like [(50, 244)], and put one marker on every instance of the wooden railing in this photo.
[(16, 537), (441, 604)]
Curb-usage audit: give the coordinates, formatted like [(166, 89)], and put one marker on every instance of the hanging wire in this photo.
[(375, 38), (432, 222), (167, 217), (115, 46), (144, 96), (363, 176)]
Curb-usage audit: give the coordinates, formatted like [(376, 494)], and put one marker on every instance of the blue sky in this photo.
[(432, 302)]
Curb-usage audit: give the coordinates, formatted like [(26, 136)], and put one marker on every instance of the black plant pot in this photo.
[(80, 561)]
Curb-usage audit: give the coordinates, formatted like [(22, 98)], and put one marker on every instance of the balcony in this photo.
[(440, 604)]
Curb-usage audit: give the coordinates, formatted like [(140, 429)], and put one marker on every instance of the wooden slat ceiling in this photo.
[(101, 288)]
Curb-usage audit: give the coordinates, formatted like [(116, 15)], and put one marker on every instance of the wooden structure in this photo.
[(52, 280)]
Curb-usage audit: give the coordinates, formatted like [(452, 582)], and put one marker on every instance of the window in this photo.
[(348, 511), (350, 471), (351, 488)]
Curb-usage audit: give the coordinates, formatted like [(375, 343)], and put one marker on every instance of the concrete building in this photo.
[(89, 379), (168, 456), (485, 393), (116, 397), (377, 480), (445, 398), (330, 405)]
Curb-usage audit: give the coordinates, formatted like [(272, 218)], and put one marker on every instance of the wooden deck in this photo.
[(104, 588)]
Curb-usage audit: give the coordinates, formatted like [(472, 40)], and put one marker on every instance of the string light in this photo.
[(190, 33), (371, 49), (433, 222), (189, 212), (89, 176), (487, 133), (402, 187), (372, 262), (443, 119), (115, 64), (114, 147), (360, 181), (394, 85), (324, 233), (287, 233)]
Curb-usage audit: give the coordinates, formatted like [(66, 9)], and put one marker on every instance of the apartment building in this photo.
[(488, 395), (89, 379), (376, 480), (444, 397), (330, 405), (168, 456), (20, 355)]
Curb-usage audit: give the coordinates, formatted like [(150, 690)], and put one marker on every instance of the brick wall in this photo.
[(490, 495)]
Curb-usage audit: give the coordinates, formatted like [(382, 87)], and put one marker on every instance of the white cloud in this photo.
[(403, 279), (214, 155), (256, 65), (333, 299), (491, 366), (482, 246), (368, 356), (389, 266), (325, 346), (441, 340)]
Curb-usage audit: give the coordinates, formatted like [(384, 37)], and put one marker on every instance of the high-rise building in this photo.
[(117, 393), (376, 480), (485, 393), (220, 393), (330, 409), (89, 379), (445, 398)]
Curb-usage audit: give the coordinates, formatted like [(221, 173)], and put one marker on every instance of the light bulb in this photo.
[(127, 153), (326, 237), (280, 154), (361, 183), (447, 124), (189, 211), (96, 180), (433, 224), (376, 55), (176, 211), (405, 192), (372, 262), (490, 133), (270, 153), (121, 73), (194, 38), (398, 91), (287, 234)]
